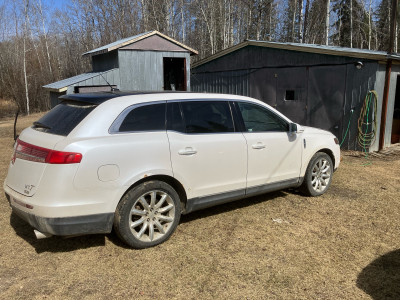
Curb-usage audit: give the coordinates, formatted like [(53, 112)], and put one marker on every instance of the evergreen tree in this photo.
[(351, 24), (383, 24)]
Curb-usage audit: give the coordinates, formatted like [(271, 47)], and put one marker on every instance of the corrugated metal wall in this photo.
[(327, 87)]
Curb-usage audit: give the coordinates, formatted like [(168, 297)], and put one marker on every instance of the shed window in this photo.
[(292, 95)]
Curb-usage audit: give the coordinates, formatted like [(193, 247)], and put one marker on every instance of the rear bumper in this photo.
[(68, 226)]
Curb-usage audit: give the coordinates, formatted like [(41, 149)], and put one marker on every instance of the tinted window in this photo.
[(145, 118), (257, 118), (63, 118), (207, 116), (174, 117)]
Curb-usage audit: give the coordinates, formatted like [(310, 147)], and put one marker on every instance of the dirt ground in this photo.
[(342, 245)]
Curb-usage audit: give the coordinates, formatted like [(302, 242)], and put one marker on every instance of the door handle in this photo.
[(259, 145), (187, 151)]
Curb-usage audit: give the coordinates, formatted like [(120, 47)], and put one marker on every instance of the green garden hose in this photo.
[(367, 121)]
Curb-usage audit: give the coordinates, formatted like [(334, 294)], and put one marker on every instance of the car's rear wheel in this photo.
[(148, 214), (318, 175)]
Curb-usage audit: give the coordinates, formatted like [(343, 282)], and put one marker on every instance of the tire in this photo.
[(147, 215), (318, 175)]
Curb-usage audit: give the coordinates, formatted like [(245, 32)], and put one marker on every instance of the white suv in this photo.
[(136, 161)]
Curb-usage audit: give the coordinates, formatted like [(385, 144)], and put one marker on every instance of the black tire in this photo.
[(140, 222), (316, 181)]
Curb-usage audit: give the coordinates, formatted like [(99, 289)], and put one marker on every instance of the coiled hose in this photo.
[(367, 121)]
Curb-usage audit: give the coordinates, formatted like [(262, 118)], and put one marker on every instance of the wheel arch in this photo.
[(176, 185), (329, 153)]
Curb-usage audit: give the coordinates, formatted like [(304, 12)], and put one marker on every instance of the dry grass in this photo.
[(343, 245), (8, 108)]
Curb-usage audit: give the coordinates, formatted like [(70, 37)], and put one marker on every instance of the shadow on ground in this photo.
[(60, 244), (226, 207), (381, 278), (54, 244)]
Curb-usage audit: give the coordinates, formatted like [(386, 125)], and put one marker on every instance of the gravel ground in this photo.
[(342, 245)]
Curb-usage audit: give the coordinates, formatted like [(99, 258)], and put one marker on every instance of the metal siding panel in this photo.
[(294, 79), (255, 57), (358, 83), (390, 107), (326, 89), (379, 87), (125, 64)]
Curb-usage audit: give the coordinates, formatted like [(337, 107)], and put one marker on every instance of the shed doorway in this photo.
[(396, 115), (174, 74)]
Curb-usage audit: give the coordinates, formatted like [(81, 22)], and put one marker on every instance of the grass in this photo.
[(342, 245), (8, 108)]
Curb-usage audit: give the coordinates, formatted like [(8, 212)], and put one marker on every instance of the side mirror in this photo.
[(292, 127)]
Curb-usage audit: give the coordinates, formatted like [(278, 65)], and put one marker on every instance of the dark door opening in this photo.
[(396, 115), (174, 74)]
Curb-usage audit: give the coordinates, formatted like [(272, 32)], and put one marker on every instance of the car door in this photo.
[(274, 153), (208, 154)]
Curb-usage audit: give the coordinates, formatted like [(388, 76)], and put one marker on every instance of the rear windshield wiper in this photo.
[(41, 125)]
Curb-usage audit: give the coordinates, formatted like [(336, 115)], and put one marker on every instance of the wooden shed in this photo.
[(320, 86), (149, 61)]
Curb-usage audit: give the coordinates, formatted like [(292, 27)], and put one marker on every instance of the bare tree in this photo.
[(25, 37), (327, 25)]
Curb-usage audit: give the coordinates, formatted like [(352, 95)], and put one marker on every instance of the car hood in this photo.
[(313, 130)]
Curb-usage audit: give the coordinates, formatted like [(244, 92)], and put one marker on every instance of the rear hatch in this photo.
[(34, 149)]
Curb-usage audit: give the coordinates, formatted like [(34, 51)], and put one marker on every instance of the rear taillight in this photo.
[(34, 153)]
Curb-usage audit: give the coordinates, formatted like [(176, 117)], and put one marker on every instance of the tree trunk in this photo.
[(301, 16), (294, 19), (369, 25), (305, 21), (183, 22), (26, 4), (328, 2), (351, 23)]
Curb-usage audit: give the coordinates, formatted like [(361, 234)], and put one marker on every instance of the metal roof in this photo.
[(61, 86), (310, 48), (133, 39)]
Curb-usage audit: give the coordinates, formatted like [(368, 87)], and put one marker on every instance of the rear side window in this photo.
[(207, 117), (63, 118), (145, 118)]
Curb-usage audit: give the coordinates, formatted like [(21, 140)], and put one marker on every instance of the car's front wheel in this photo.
[(148, 214), (318, 175)]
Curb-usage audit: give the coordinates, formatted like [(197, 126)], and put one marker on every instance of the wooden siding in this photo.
[(104, 62), (154, 43), (112, 77), (391, 102), (143, 70)]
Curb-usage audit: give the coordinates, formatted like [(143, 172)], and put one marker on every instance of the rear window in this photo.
[(63, 118)]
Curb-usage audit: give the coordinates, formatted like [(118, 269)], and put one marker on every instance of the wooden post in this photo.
[(387, 75)]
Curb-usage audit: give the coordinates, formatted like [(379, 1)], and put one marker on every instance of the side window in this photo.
[(145, 118), (259, 119), (174, 117), (207, 116)]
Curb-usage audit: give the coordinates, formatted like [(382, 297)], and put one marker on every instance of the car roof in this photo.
[(100, 97)]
